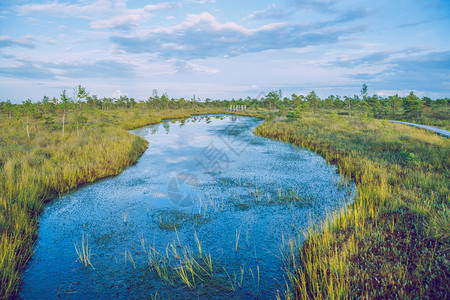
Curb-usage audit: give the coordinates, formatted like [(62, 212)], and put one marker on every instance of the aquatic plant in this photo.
[(187, 267), (173, 220), (129, 256), (238, 235), (84, 251)]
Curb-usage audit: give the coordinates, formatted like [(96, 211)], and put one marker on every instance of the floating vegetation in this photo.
[(258, 196), (171, 219)]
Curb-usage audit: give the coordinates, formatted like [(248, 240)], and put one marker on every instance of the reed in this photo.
[(186, 267), (199, 245), (84, 252), (238, 235)]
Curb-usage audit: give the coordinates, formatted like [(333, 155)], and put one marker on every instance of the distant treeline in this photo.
[(376, 106)]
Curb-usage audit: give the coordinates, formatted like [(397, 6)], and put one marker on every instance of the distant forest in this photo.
[(410, 107)]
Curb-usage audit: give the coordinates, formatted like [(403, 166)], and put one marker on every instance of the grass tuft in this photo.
[(84, 251)]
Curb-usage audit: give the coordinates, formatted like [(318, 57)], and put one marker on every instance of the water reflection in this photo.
[(166, 127)]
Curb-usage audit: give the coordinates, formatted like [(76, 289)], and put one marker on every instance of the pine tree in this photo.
[(412, 106)]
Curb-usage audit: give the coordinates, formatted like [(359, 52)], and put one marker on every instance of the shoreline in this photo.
[(21, 244), (371, 207)]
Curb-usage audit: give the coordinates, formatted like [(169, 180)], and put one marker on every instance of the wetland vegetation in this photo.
[(392, 241)]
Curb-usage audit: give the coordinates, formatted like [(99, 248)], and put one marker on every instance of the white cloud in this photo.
[(65, 9), (158, 7), (118, 93), (208, 23), (272, 12), (7, 41), (204, 21), (173, 46), (202, 35), (298, 45), (201, 1), (116, 21), (105, 13), (324, 6), (202, 69)]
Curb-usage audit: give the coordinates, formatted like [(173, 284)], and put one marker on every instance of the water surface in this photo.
[(207, 180)]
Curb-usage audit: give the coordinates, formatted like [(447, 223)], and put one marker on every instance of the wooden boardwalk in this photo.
[(442, 132)]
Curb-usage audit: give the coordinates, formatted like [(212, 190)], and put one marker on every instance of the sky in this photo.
[(223, 49)]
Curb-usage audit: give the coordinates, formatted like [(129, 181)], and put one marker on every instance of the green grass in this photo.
[(35, 170), (393, 241), (433, 116), (181, 265)]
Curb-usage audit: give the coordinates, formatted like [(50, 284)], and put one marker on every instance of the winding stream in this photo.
[(206, 188)]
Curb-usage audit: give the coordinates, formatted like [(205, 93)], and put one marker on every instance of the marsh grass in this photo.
[(238, 235), (296, 197), (35, 170), (189, 266), (393, 240), (181, 265), (84, 251), (129, 257)]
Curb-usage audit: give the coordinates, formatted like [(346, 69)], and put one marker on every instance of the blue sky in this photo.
[(224, 49)]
